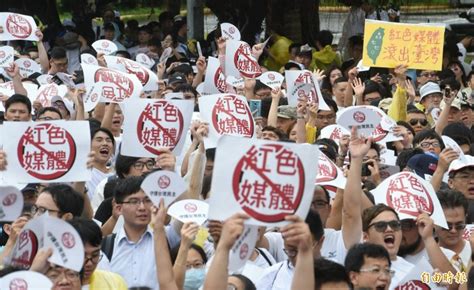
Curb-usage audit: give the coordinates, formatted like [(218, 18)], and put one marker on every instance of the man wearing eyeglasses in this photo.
[(424, 76), (461, 176), (133, 252), (454, 206), (95, 267), (368, 266), (380, 224), (60, 201)]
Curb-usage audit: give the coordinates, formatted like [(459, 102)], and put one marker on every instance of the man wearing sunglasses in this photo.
[(454, 206), (417, 120), (380, 224)]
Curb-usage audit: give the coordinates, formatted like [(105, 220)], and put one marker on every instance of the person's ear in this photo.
[(353, 276), (365, 236), (67, 216), (7, 228)]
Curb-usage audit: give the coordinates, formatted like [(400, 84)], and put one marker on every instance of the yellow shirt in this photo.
[(104, 280), (311, 133), (398, 109)]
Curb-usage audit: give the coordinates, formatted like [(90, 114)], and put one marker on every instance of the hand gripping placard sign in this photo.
[(47, 151), (153, 124), (266, 180), (227, 114)]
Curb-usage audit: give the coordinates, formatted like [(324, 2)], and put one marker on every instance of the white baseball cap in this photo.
[(67, 103), (460, 164), (429, 88)]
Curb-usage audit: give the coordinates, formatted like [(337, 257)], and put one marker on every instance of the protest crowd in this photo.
[(132, 157)]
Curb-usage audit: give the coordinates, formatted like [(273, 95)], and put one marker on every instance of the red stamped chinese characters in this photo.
[(327, 171), (232, 116), (219, 80), (46, 94), (190, 207), (160, 125), (136, 69), (118, 86), (18, 26), (46, 151), (406, 194), (268, 182), (245, 63)]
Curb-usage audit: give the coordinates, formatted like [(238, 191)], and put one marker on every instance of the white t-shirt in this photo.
[(401, 268), (333, 246), (97, 177)]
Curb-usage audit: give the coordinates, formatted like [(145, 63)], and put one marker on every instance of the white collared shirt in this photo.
[(277, 277), (401, 268), (135, 262)]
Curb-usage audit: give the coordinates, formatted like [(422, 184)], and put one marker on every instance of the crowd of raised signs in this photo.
[(132, 157)]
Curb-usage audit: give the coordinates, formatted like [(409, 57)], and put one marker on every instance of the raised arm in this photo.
[(273, 113), (446, 156), (297, 233), (217, 275), (164, 267), (201, 71), (14, 73), (351, 218), (398, 107), (436, 257), (443, 117), (43, 55), (301, 121), (188, 234)]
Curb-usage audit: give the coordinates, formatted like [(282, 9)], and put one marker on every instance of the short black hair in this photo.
[(106, 131), (329, 147), (290, 65), (371, 87), (427, 134), (17, 98), (211, 154), (331, 103), (450, 198), (124, 53), (88, 230), (109, 27), (451, 82), (281, 135), (66, 198), (414, 111), (315, 225), (405, 155), (126, 187), (324, 37), (48, 109), (248, 284), (174, 252), (58, 53), (123, 164), (340, 80), (356, 255), (183, 68), (326, 271)]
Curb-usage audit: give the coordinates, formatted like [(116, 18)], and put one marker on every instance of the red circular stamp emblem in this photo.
[(160, 125), (219, 80), (9, 199), (134, 68), (190, 207), (327, 171), (271, 76), (25, 250), (245, 63), (406, 194), (232, 116), (18, 284), (164, 181), (18, 26), (244, 250), (268, 182), (2, 54), (46, 151), (231, 30), (359, 116), (68, 240)]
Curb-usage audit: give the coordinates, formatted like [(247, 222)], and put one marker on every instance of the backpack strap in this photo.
[(107, 246), (264, 256)]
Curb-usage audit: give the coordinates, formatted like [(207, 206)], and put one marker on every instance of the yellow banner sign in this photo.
[(388, 44)]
